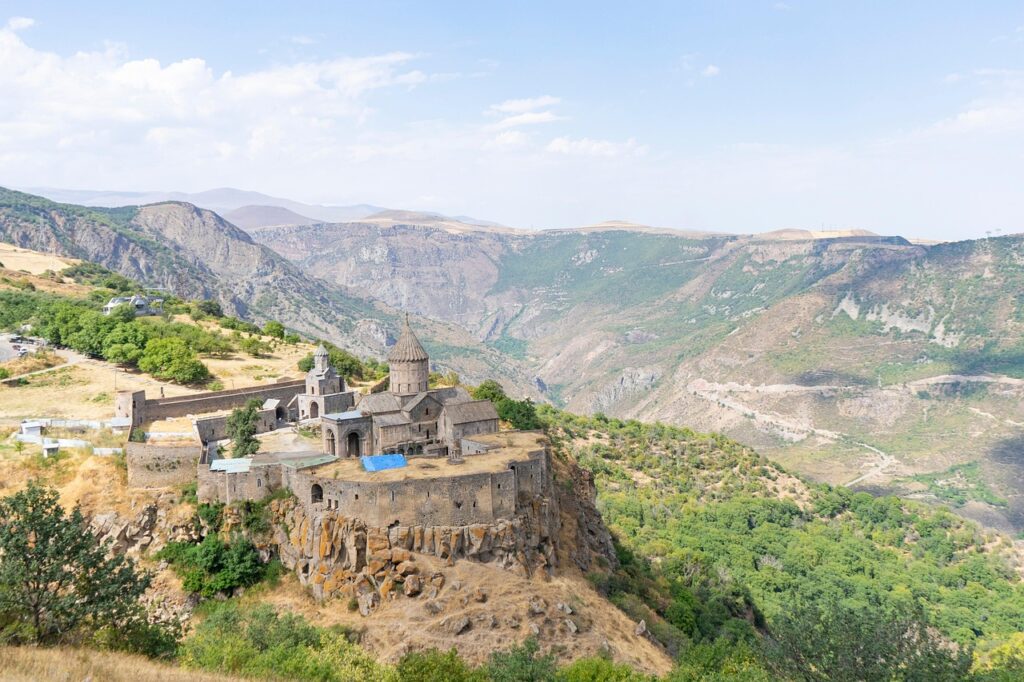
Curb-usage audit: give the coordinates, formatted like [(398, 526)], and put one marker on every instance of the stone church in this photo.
[(409, 418)]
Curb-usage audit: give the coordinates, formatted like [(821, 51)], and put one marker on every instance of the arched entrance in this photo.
[(354, 449), (280, 414), (331, 444), (314, 410), (316, 494)]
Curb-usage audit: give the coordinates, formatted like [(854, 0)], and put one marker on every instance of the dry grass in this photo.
[(86, 390), (34, 262), (29, 664), (32, 362), (404, 624)]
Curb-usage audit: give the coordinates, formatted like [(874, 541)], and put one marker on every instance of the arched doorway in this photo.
[(354, 449), (314, 410), (331, 444), (280, 414), (316, 494)]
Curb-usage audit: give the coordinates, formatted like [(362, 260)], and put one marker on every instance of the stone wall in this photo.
[(208, 429), (256, 484), (451, 500), (202, 403), (160, 466)]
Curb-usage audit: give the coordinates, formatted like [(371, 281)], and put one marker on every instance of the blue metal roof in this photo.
[(382, 462)]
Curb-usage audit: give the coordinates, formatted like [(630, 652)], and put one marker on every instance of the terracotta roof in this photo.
[(407, 348), (473, 411)]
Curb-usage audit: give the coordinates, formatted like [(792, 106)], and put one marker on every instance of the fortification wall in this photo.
[(452, 500), (179, 406), (219, 486), (160, 466), (131, 404), (209, 429)]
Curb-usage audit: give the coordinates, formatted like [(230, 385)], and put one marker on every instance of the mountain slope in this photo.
[(254, 217), (830, 352), (195, 253)]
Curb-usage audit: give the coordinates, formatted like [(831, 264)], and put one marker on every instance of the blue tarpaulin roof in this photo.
[(382, 462)]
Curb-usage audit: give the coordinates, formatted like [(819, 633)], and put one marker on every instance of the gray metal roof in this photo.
[(339, 416), (390, 419)]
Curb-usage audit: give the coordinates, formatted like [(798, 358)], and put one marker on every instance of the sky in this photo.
[(902, 118)]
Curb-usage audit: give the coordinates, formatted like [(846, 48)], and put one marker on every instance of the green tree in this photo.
[(57, 581), (241, 429), (489, 390), (275, 329), (210, 307), (521, 414), (170, 358), (831, 641)]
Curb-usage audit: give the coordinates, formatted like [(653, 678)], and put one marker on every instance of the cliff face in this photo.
[(557, 530)]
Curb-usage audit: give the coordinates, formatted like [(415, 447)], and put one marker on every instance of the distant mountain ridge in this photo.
[(195, 253), (221, 200), (803, 344)]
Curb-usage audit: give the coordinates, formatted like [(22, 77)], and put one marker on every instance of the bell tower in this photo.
[(410, 364)]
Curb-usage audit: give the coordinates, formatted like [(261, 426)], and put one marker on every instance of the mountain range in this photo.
[(850, 357)]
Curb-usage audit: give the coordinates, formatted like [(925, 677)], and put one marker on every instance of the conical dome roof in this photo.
[(408, 348), (320, 352)]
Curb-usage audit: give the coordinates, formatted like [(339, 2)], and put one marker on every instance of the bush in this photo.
[(600, 670), (258, 642), (437, 666), (214, 566), (521, 664)]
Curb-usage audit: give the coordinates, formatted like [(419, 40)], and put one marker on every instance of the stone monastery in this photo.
[(409, 456)]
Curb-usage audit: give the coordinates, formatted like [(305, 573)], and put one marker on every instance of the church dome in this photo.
[(408, 348)]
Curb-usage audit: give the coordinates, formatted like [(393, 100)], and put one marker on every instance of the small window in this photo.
[(458, 505), (392, 495), (427, 411), (357, 496), (474, 504), (259, 482), (499, 486)]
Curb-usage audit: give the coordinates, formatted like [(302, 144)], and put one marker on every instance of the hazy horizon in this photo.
[(901, 120)]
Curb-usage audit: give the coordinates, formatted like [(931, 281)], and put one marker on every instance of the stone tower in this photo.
[(321, 378), (410, 365)]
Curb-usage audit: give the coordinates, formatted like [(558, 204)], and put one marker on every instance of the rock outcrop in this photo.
[(336, 555)]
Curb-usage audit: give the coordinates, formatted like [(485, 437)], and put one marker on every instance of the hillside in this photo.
[(196, 254), (254, 217), (853, 358)]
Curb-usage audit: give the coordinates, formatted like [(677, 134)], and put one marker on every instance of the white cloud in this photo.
[(508, 139), (590, 147), (518, 106), (782, 7), (19, 23), (710, 71), (177, 115), (526, 118)]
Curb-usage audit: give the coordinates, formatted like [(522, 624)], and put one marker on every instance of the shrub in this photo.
[(259, 642), (213, 565), (437, 666)]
